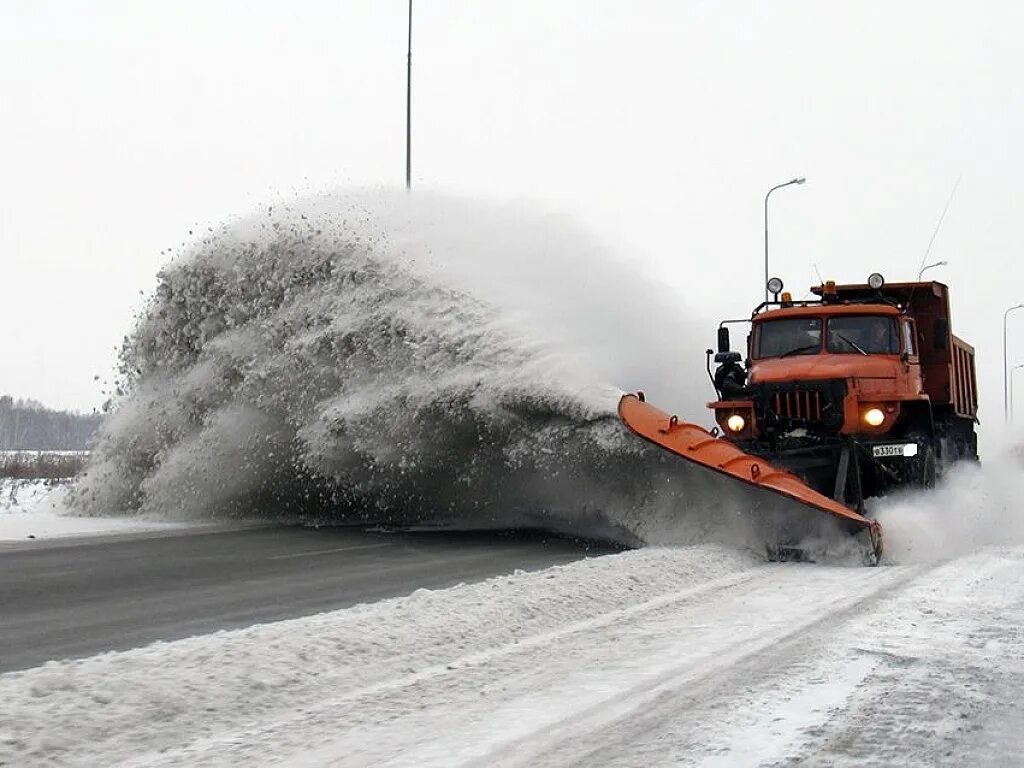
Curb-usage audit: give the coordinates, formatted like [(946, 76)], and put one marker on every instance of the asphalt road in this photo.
[(63, 599)]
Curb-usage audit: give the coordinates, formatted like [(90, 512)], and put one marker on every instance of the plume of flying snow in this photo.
[(973, 506), (401, 359)]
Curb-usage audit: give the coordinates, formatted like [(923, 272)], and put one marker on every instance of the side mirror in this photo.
[(941, 333), (723, 339)]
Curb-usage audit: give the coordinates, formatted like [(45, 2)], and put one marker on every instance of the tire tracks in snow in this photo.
[(328, 709), (908, 675), (557, 692), (650, 708), (610, 732)]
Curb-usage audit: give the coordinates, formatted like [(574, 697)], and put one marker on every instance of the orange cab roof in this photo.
[(817, 310)]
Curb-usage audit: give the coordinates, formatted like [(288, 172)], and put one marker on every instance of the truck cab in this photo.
[(866, 370)]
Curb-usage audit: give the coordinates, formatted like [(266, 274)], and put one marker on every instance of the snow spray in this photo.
[(973, 506), (399, 359)]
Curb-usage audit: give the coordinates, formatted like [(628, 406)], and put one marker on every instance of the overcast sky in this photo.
[(659, 125)]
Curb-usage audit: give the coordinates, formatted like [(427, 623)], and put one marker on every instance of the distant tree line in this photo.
[(30, 426)]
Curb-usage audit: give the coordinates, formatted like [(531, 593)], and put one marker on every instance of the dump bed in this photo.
[(947, 363), (963, 380)]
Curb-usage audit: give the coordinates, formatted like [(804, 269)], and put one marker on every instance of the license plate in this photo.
[(883, 451)]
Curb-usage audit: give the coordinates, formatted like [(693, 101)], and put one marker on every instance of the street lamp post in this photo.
[(925, 269), (1006, 395), (1018, 365), (799, 180)]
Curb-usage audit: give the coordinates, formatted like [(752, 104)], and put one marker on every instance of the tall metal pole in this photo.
[(1012, 372), (1006, 394), (408, 106), (1018, 365), (799, 180)]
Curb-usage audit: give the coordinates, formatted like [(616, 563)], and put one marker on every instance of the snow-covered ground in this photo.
[(689, 656), (34, 509)]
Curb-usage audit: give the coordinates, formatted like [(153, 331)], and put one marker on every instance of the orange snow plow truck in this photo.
[(853, 394)]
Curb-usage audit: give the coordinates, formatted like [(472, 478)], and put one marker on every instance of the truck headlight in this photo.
[(874, 416), (736, 423)]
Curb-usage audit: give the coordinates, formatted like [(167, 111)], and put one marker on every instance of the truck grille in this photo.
[(816, 405), (802, 406)]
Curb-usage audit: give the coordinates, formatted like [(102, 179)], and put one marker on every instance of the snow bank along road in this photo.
[(696, 656), (81, 596)]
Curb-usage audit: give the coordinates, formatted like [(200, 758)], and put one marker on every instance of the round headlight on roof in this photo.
[(775, 285), (875, 281)]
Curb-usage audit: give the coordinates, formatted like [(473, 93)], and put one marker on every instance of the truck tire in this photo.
[(922, 470)]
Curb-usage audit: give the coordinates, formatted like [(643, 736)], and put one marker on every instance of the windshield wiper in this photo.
[(798, 350), (836, 333)]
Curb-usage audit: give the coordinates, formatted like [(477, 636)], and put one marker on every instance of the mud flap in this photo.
[(776, 503)]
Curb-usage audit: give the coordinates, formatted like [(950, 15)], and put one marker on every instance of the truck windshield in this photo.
[(791, 336), (863, 334)]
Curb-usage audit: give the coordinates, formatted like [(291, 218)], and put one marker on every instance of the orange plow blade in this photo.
[(786, 509)]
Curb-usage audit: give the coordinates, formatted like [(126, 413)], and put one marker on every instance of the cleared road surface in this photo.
[(65, 599)]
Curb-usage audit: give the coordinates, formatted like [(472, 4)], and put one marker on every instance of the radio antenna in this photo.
[(939, 224)]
